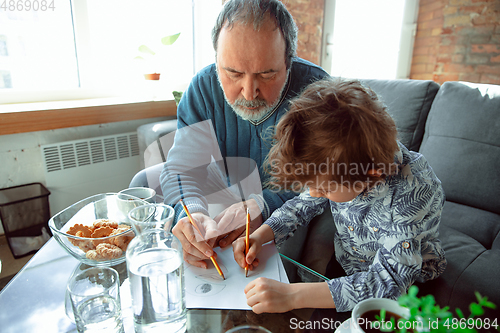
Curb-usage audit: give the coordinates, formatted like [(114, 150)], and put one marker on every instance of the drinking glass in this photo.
[(156, 274), (95, 298), (248, 329), (143, 193), (151, 216)]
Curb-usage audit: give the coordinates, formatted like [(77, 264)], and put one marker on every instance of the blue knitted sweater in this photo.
[(204, 101)]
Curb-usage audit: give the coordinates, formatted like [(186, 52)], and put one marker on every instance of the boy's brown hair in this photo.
[(336, 129)]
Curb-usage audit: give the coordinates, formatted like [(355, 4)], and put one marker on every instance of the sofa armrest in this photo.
[(151, 133)]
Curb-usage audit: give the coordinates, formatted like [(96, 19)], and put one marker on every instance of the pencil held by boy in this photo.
[(338, 146)]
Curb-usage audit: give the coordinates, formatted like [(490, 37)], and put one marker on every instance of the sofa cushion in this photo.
[(310, 245), (471, 240), (462, 143), (408, 102)]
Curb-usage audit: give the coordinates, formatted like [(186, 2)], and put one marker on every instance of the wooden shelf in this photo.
[(41, 120)]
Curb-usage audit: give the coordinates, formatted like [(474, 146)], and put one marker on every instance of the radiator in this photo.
[(78, 169)]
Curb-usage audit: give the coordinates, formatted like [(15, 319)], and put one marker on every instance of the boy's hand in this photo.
[(267, 295), (231, 223), (239, 248)]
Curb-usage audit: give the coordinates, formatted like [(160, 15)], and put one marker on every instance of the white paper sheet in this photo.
[(206, 289)]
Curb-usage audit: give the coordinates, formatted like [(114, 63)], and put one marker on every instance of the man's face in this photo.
[(251, 68)]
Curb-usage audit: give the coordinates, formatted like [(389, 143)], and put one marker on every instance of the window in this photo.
[(368, 39), (91, 46), (37, 48)]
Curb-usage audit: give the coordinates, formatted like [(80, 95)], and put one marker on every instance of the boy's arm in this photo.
[(297, 211), (269, 201), (313, 295), (281, 225), (271, 296), (264, 234), (410, 251)]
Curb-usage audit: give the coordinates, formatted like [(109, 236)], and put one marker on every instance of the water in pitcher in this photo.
[(157, 286)]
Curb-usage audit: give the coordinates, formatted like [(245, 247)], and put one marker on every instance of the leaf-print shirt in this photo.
[(387, 237)]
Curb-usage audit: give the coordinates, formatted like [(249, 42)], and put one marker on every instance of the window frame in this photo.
[(40, 110), (82, 42), (407, 39)]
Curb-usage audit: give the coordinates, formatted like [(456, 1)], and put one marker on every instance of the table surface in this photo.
[(34, 301)]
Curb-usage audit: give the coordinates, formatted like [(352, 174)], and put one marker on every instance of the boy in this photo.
[(338, 144)]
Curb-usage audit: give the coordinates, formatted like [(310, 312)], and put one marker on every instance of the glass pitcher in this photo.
[(156, 275)]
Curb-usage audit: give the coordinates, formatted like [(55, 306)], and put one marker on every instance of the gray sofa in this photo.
[(456, 126)]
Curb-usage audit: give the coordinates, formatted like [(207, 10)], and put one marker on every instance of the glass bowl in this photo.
[(84, 239)]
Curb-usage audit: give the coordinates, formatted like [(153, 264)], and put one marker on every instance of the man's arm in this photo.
[(191, 153)]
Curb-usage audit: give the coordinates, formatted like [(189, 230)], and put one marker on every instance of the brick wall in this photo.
[(308, 15), (457, 40)]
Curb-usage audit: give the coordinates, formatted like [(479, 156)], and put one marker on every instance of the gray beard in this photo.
[(239, 106)]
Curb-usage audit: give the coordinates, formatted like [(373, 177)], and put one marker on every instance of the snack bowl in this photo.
[(96, 230)]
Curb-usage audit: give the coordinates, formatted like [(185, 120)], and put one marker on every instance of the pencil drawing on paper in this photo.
[(210, 282), (201, 284), (208, 289)]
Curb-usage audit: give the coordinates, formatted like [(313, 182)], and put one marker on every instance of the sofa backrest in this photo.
[(462, 143), (408, 102)]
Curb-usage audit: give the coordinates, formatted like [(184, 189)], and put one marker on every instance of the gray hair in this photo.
[(254, 12)]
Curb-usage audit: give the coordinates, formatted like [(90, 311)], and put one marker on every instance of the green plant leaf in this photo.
[(177, 96), (139, 58), (444, 313), (459, 313), (427, 303), (145, 49), (169, 40), (479, 297), (490, 305), (413, 291), (476, 309)]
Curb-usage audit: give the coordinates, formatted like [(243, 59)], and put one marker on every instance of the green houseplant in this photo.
[(152, 58), (177, 96), (432, 318)]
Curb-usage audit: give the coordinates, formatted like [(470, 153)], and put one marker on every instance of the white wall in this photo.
[(21, 157)]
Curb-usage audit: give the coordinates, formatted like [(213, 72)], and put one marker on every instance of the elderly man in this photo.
[(239, 99)]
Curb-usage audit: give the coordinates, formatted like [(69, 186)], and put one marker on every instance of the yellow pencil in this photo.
[(247, 240), (194, 224)]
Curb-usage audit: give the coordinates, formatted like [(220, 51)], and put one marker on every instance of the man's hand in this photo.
[(231, 223), (222, 231), (196, 247)]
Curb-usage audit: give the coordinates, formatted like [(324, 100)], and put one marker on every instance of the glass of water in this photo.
[(151, 216), (95, 298), (156, 276), (248, 329)]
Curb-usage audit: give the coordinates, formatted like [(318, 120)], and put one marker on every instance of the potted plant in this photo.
[(153, 58), (421, 314), (177, 96)]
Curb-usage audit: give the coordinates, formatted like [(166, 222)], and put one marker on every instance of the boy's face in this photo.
[(333, 191)]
